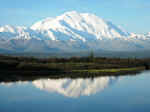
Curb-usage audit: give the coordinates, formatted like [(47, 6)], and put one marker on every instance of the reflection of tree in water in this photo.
[(146, 66), (75, 87)]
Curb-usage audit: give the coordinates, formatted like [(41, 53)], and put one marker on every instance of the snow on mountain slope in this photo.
[(8, 32), (71, 32), (80, 26)]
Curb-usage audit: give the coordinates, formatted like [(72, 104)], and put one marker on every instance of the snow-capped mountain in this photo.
[(71, 32), (79, 26)]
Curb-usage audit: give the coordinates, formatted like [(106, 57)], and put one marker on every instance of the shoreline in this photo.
[(12, 76)]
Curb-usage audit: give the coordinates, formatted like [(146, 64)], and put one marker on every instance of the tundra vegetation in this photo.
[(73, 67)]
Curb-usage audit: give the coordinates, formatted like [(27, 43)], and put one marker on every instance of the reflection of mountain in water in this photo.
[(74, 87), (13, 83)]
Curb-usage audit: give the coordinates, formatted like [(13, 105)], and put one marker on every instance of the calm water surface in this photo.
[(105, 94)]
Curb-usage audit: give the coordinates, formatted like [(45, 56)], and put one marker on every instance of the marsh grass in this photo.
[(109, 70)]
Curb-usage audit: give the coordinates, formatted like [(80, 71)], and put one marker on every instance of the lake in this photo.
[(100, 94)]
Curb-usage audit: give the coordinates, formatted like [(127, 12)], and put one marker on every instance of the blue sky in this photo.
[(132, 15)]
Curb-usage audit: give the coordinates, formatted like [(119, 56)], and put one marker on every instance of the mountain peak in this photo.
[(148, 33), (71, 13), (81, 22)]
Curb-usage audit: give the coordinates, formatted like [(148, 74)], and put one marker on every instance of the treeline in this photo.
[(64, 64), (88, 59)]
